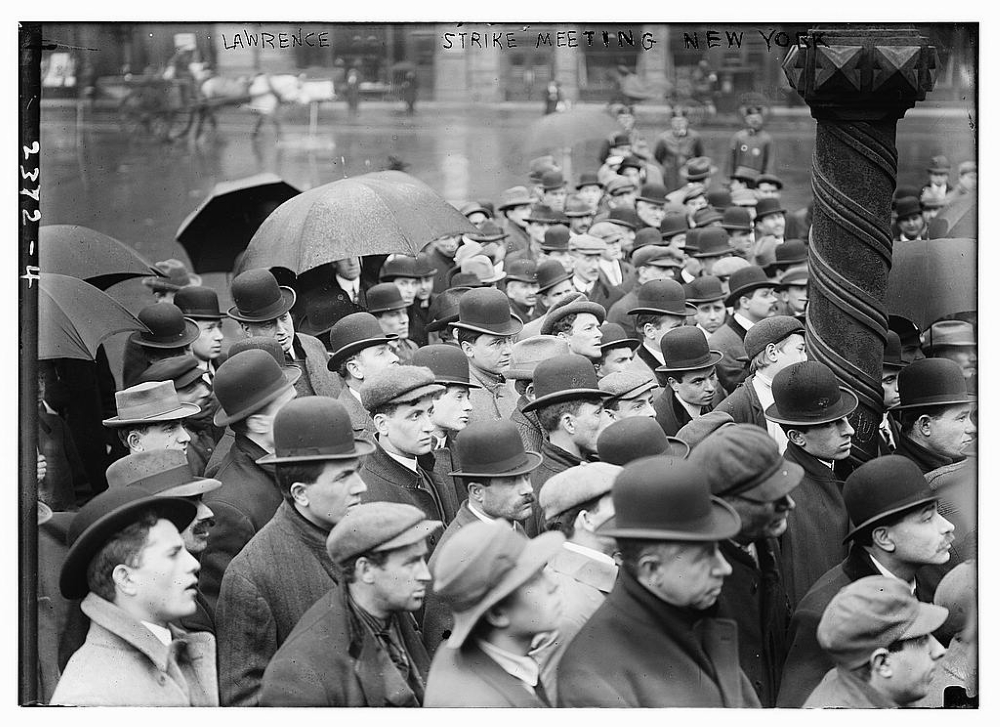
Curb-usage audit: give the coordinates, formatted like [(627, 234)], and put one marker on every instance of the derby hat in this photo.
[(625, 385), (493, 449), (673, 224), (686, 349), (791, 252), (645, 237), (939, 165), (930, 382), (457, 279), (892, 357), (259, 298), (743, 460), (654, 254), (168, 328), (697, 169), (942, 334), (398, 385), (634, 438), (321, 314), (523, 271), (385, 297), (631, 161), (745, 173), (882, 490), (770, 330), (550, 273), (625, 217), (104, 517), (552, 179), (198, 303), (719, 199), (373, 527), (352, 333), (564, 378), (588, 178), (652, 193), (449, 364), (706, 216), (482, 267), (487, 311), (617, 186), (569, 305), (530, 352), (489, 231), (807, 393), (149, 403), (425, 266), (769, 179), (737, 218), (163, 472), (662, 297), (577, 207), (713, 242), (176, 276), (398, 266), (769, 206), (247, 382), (482, 564), (312, 429), (746, 280), (690, 245), (539, 165), (575, 486), (556, 238), (614, 336), (545, 214), (704, 289), (667, 498), (182, 370), (443, 309)]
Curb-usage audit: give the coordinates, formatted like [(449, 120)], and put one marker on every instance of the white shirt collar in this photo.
[(912, 585), (522, 668), (657, 353), (408, 462), (694, 411), (743, 320), (348, 286), (582, 285), (707, 333), (162, 634), (49, 409), (762, 387), (356, 394), (590, 553)]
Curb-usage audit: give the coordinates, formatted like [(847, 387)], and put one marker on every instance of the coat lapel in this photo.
[(505, 684)]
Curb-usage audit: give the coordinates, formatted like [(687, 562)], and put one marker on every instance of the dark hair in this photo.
[(549, 416), (521, 386), (377, 558), (467, 336), (641, 319), (631, 551), (305, 472), (564, 521), (907, 418), (564, 324), (124, 432), (124, 547), (342, 369)]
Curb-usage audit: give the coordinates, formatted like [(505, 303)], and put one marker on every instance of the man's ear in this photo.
[(882, 538), (497, 617), (673, 383), (879, 661), (476, 492), (381, 424), (299, 494), (122, 578), (796, 438), (246, 330)]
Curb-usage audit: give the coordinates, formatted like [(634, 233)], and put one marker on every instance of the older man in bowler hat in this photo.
[(896, 531), (667, 526), (251, 388), (751, 297), (747, 471), (127, 561), (660, 307), (170, 334), (201, 305), (284, 568), (627, 440), (554, 284), (495, 471), (935, 414), (501, 597), (691, 386), (524, 358), (262, 309), (358, 645), (812, 409)]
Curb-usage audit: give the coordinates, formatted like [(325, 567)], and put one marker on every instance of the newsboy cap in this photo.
[(587, 244), (696, 430), (531, 351), (744, 460), (625, 385), (883, 489), (575, 486), (397, 385), (373, 527), (770, 330), (182, 370), (656, 255)]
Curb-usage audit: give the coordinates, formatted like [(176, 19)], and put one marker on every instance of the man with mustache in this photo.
[(284, 568)]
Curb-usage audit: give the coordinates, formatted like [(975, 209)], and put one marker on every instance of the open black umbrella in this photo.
[(222, 226), (932, 279), (89, 255)]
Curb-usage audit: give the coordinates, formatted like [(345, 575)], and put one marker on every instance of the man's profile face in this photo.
[(831, 441), (950, 433), (280, 329), (914, 668), (197, 393), (760, 520), (789, 351), (796, 296), (490, 353), (653, 332), (373, 359), (166, 579), (195, 536), (409, 428), (890, 387), (337, 489), (163, 435), (922, 536), (400, 583), (588, 423), (208, 346), (451, 409), (509, 497), (585, 336), (557, 292), (692, 574)]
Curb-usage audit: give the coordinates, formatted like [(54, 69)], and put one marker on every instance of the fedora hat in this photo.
[(482, 564), (673, 224), (556, 238), (770, 330), (652, 193), (513, 197), (633, 438), (198, 303), (744, 460), (105, 516), (614, 336), (697, 169), (668, 498), (443, 309), (523, 271), (550, 273), (564, 378), (617, 186), (808, 393), (746, 280), (569, 305), (577, 207), (482, 267), (948, 333), (353, 333), (531, 351), (176, 276), (182, 370), (706, 216), (693, 191), (425, 266), (769, 206), (493, 449), (471, 208), (489, 231), (149, 403), (939, 165), (163, 472), (247, 382), (487, 310), (552, 179), (168, 328), (713, 242), (686, 349), (930, 382), (385, 297), (892, 357), (449, 364), (398, 266), (259, 298), (314, 428), (588, 178), (625, 217), (373, 527), (737, 218), (797, 275), (545, 214), (884, 489), (662, 297), (704, 289)]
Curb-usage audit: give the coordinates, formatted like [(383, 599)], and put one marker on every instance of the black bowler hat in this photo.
[(259, 298), (104, 517), (647, 236), (882, 489), (705, 289), (550, 272), (808, 393), (719, 199), (321, 314), (932, 382), (626, 217), (769, 206), (425, 266), (168, 328), (198, 303), (746, 280), (487, 310), (706, 216), (556, 238), (544, 214), (791, 252), (385, 297), (691, 236), (588, 178), (353, 333), (769, 179), (713, 242), (523, 271), (312, 429), (564, 378), (686, 349), (737, 218), (444, 308), (892, 358), (633, 438), (493, 449), (553, 179), (449, 364), (652, 193), (489, 231), (668, 498), (673, 224), (662, 297), (907, 207), (398, 266), (247, 382), (614, 336)]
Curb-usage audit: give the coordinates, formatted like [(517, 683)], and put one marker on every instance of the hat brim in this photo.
[(182, 412), (440, 324), (741, 228), (581, 306), (701, 301), (197, 486), (553, 283), (565, 395), (634, 391), (513, 327), (520, 202), (734, 295), (930, 617), (721, 523), (415, 394), (537, 552), (451, 381), (203, 316), (788, 476), (898, 508), (630, 343), (345, 352), (291, 376), (936, 401), (847, 404), (714, 253), (191, 334), (688, 310), (276, 311), (362, 447), (713, 358), (413, 534), (531, 462)]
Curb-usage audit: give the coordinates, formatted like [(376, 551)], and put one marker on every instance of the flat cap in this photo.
[(626, 384), (376, 526), (617, 186), (587, 244), (770, 330), (607, 231), (657, 255), (700, 427), (575, 486), (182, 370), (570, 305), (398, 385), (531, 351), (743, 460)]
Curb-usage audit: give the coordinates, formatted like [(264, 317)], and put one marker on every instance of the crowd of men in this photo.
[(578, 458)]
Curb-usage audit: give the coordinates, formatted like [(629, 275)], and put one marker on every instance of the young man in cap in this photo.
[(751, 147), (692, 386), (201, 305), (554, 189), (705, 293), (590, 189), (793, 292), (262, 309), (746, 470), (580, 213), (578, 321), (881, 639), (738, 223), (587, 251), (358, 645), (151, 416), (660, 307), (771, 345), (514, 207), (400, 400), (522, 289), (896, 532), (127, 561), (386, 303), (812, 409), (651, 262), (751, 297), (667, 526), (251, 389), (617, 349), (494, 469), (501, 596), (525, 356), (284, 569), (170, 334)]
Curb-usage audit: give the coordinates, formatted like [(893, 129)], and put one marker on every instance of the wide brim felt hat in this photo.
[(182, 412), (187, 336), (162, 472), (276, 309), (847, 403), (141, 409), (277, 388)]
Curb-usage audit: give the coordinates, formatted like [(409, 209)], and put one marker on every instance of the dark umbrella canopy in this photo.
[(931, 279), (74, 318), (380, 212), (223, 224), (563, 130), (89, 255)]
